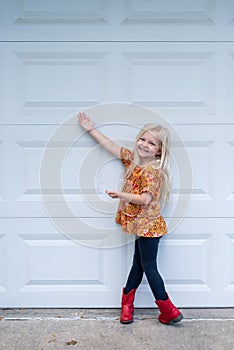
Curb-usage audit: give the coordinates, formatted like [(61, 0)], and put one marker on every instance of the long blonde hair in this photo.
[(162, 161)]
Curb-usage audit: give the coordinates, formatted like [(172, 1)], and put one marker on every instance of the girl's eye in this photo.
[(152, 144)]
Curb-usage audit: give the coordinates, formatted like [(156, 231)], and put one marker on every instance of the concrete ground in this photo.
[(88, 329)]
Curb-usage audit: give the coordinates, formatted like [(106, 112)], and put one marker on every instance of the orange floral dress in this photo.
[(142, 220)]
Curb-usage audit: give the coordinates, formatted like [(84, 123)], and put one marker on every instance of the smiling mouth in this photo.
[(144, 150)]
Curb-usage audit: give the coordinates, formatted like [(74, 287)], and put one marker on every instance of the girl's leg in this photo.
[(136, 272), (145, 260), (148, 249), (134, 279)]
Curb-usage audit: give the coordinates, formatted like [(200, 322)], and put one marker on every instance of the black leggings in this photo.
[(145, 260)]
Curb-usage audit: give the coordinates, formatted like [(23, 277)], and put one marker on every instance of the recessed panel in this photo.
[(3, 175), (3, 275), (170, 79), (161, 12), (191, 248), (60, 12), (65, 265), (230, 258), (57, 79)]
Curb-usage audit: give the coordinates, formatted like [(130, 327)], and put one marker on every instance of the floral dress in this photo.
[(142, 220)]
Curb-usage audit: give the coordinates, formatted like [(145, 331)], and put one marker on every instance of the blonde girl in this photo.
[(146, 188)]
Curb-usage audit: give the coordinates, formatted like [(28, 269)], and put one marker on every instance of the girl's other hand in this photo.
[(112, 194), (85, 121)]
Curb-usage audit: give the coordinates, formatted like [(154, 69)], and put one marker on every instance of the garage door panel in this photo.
[(26, 144), (228, 185), (2, 254), (48, 265), (194, 245), (203, 164), (44, 15), (56, 79), (84, 198), (195, 251), (56, 270), (48, 79), (169, 13), (229, 107), (50, 83), (2, 174), (210, 195), (176, 79), (63, 13), (79, 20), (206, 146), (198, 275), (229, 257)]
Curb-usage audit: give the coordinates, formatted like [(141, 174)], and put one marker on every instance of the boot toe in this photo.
[(126, 321), (177, 319), (169, 321)]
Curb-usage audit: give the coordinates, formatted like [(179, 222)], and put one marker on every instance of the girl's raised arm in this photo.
[(104, 141)]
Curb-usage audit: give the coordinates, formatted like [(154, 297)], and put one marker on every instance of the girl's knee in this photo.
[(149, 266)]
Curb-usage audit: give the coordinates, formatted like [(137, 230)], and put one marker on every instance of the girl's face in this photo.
[(147, 147)]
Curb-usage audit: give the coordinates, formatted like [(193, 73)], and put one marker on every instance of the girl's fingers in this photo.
[(109, 192), (112, 194), (82, 116)]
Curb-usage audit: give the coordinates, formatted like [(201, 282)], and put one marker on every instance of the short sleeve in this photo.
[(126, 156), (151, 181)]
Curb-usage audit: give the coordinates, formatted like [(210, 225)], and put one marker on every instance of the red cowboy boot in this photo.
[(169, 313), (127, 307)]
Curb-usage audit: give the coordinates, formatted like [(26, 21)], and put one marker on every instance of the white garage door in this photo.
[(59, 57)]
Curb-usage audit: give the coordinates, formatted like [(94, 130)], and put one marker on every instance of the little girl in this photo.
[(146, 184)]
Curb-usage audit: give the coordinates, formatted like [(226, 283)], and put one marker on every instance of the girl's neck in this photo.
[(144, 162)]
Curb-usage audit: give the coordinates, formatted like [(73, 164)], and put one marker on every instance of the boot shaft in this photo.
[(127, 306)]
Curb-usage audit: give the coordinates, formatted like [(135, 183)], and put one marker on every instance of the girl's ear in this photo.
[(158, 154)]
